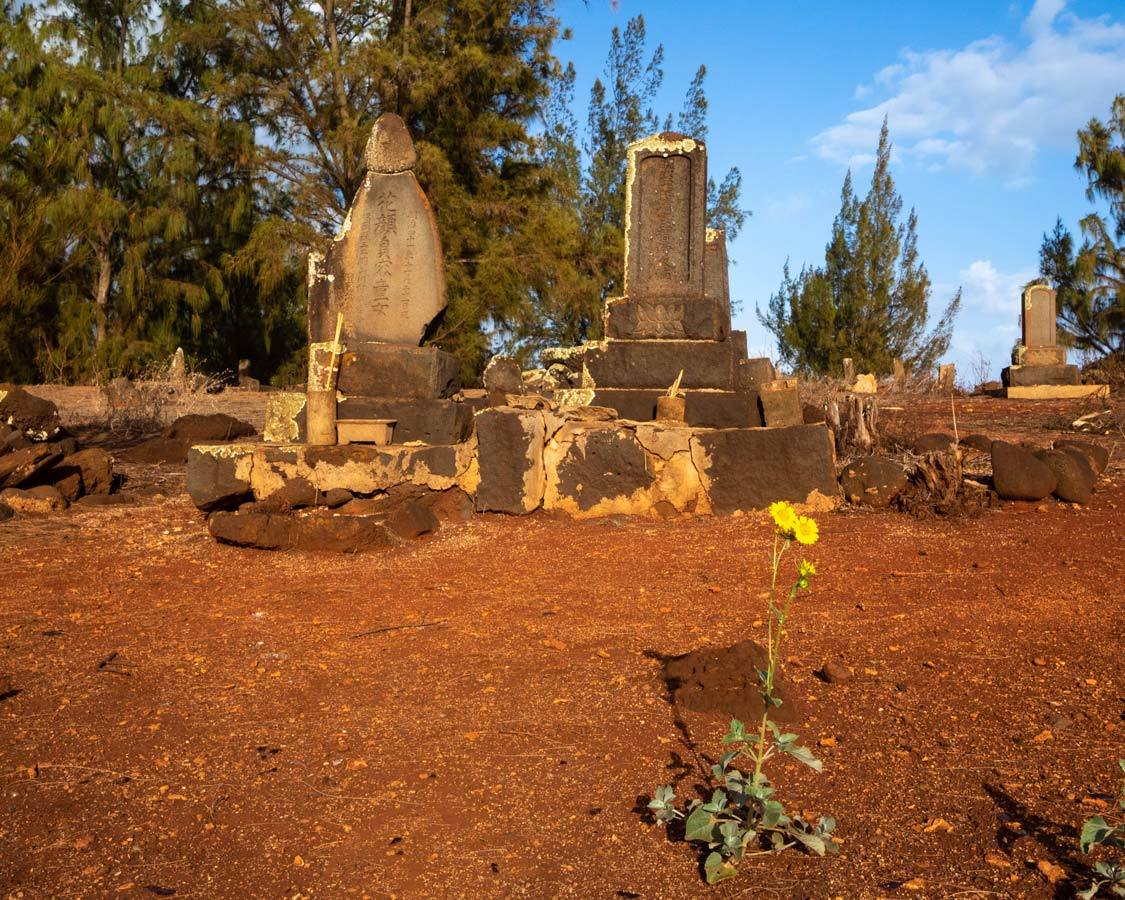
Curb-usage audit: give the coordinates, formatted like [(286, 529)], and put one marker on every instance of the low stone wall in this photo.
[(579, 462)]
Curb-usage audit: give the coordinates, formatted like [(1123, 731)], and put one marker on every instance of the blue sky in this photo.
[(983, 100)]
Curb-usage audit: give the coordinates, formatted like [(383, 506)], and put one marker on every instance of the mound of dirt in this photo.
[(724, 681)]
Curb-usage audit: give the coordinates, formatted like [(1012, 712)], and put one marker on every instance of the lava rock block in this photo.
[(653, 364), (935, 440), (754, 372), (294, 494), (1027, 376), (95, 467), (702, 409), (279, 531), (157, 451), (1018, 475), (780, 406), (606, 464), (412, 520), (38, 500), (628, 318), (206, 429), (35, 417), (428, 421), (750, 468), (1075, 477), (213, 482), (982, 443), (510, 452), (873, 481), (6, 512), (503, 374), (374, 369), (22, 465), (1096, 455)]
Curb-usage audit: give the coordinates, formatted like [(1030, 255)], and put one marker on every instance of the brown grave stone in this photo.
[(665, 217), (384, 269), (716, 280)]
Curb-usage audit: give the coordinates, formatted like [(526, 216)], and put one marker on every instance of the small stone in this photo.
[(1039, 661), (503, 374), (835, 672), (1053, 873)]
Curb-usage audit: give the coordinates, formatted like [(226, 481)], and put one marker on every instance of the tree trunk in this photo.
[(101, 294)]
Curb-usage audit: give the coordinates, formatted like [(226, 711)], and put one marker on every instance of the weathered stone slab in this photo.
[(1056, 391), (282, 531), (1025, 376), (628, 318), (652, 364), (1044, 356), (428, 421), (781, 405), (604, 468), (738, 338), (388, 370), (665, 217), (716, 277), (510, 445), (218, 476), (752, 373), (703, 409), (751, 468), (1038, 315), (384, 269)]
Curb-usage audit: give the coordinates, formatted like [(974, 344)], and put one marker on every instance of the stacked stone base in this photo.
[(1047, 381), (523, 460)]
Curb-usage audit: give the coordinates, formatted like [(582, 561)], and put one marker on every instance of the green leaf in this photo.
[(717, 869), (813, 842), (737, 732), (804, 755), (772, 813), (700, 826), (717, 802), (1094, 831)]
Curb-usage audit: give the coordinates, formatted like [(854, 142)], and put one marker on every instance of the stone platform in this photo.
[(573, 461), (1056, 391)]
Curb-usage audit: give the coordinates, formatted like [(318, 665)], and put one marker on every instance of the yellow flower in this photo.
[(805, 530), (784, 517), (806, 568)]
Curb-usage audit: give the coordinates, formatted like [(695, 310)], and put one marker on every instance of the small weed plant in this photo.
[(743, 817), (1109, 833)]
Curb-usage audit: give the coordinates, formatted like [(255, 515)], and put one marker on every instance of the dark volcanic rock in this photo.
[(609, 463), (35, 417), (503, 374), (750, 468), (41, 499), (1018, 475), (91, 500), (20, 466), (982, 443), (873, 481), (835, 672), (453, 505), (511, 460), (209, 428), (1075, 477), (724, 681), (1096, 455), (294, 494), (6, 512), (157, 451), (412, 520), (212, 482), (96, 468), (935, 440), (279, 531)]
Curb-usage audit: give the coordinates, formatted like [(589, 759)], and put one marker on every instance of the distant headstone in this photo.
[(384, 269), (1037, 325), (849, 370), (947, 374), (177, 368)]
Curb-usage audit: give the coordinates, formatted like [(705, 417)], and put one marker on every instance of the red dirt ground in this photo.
[(187, 719)]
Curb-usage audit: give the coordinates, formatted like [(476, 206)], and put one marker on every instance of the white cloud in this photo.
[(988, 325), (992, 105)]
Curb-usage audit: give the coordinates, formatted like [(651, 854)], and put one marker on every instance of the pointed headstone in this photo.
[(384, 269)]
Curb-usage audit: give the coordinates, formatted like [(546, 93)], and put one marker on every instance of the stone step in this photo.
[(702, 409), (652, 364)]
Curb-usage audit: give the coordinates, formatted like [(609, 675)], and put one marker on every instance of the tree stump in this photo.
[(854, 421)]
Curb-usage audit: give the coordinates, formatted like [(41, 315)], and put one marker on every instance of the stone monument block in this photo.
[(716, 281), (1037, 318), (665, 217), (628, 318), (384, 269)]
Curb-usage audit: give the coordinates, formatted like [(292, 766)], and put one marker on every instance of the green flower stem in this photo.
[(773, 650)]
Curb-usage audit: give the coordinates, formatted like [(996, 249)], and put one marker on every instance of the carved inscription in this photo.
[(1039, 317), (664, 226)]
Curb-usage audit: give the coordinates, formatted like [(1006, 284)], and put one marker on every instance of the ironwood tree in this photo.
[(870, 299)]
